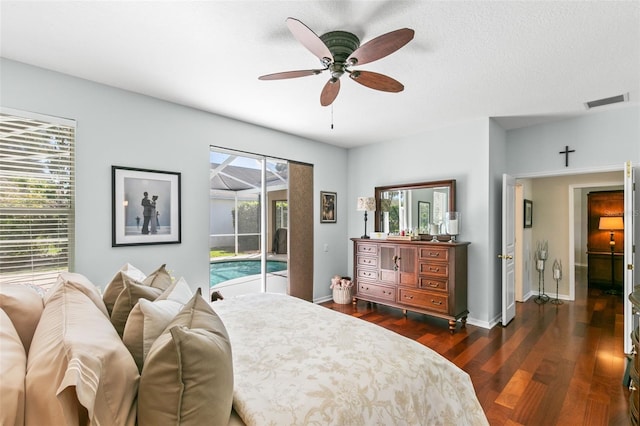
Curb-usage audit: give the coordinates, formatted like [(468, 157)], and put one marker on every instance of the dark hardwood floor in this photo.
[(552, 365)]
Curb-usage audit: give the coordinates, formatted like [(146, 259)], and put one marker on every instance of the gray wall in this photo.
[(116, 127), (476, 154), (121, 128)]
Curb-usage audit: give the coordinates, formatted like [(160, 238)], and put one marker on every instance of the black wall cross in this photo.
[(566, 153)]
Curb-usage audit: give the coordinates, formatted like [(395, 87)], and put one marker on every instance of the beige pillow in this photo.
[(127, 299), (23, 305), (78, 368), (13, 366), (81, 283), (187, 376), (147, 320), (159, 278), (116, 285)]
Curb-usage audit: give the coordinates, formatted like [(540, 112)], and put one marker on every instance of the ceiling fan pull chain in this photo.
[(331, 116)]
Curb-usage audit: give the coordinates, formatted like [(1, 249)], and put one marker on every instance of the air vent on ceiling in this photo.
[(607, 101)]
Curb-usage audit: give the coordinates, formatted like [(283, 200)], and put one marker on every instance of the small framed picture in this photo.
[(327, 207), (145, 207), (528, 213)]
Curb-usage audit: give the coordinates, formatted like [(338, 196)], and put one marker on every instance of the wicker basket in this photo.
[(342, 295)]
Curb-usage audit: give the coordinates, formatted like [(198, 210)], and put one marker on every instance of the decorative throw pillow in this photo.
[(81, 283), (179, 292), (187, 376), (147, 320), (23, 305), (159, 278), (13, 366), (127, 299), (116, 284), (78, 369)]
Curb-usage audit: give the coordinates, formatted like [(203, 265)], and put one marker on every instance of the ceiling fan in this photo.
[(338, 51)]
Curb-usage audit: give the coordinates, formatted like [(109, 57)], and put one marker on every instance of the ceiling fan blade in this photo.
[(330, 91), (381, 46), (309, 39), (289, 74), (376, 81)]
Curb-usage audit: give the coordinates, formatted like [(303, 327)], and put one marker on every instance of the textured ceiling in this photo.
[(522, 61)]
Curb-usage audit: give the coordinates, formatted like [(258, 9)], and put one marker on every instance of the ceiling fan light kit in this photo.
[(340, 50)]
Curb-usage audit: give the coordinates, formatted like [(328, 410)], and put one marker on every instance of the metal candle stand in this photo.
[(557, 275), (541, 257)]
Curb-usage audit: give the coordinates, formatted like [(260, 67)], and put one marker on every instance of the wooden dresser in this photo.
[(634, 364), (419, 276)]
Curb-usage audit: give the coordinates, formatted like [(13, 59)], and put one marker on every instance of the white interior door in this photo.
[(508, 249), (631, 203)]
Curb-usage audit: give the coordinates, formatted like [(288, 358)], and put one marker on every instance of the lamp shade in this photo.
[(367, 204), (611, 223)]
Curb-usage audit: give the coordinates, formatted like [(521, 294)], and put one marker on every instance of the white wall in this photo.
[(121, 128), (476, 154), (601, 140), (116, 127), (458, 152)]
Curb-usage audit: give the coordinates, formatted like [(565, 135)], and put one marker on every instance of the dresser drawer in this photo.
[(434, 253), (370, 249), (367, 261), (367, 274), (423, 299), (434, 269), (377, 291), (427, 283)]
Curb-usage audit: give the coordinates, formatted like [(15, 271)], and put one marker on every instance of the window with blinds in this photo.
[(37, 185)]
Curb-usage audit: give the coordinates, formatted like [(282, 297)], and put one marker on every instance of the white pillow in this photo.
[(179, 292), (146, 322)]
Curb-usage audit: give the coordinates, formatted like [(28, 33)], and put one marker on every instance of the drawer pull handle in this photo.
[(434, 285), (436, 303), (408, 297), (432, 269), (434, 254)]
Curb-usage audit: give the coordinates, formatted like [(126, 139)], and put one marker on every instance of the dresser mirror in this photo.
[(418, 208)]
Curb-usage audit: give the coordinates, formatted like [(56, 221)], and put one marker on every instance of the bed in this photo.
[(297, 363)]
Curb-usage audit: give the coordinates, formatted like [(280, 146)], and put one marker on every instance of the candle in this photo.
[(453, 226), (540, 265), (556, 274)]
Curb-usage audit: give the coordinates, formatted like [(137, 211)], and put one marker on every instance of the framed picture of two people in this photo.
[(145, 207)]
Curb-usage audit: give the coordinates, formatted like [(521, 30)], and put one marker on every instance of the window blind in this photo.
[(37, 186)]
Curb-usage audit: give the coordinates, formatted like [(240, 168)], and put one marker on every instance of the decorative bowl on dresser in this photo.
[(419, 276)]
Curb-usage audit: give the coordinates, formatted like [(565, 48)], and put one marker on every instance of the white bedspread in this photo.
[(296, 363)]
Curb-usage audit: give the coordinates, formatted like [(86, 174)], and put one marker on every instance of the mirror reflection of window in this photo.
[(399, 209)]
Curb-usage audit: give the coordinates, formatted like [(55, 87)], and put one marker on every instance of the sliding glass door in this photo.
[(248, 235)]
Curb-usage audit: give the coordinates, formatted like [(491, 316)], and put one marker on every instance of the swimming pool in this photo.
[(230, 269)]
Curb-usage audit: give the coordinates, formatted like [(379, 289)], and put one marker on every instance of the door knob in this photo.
[(505, 256)]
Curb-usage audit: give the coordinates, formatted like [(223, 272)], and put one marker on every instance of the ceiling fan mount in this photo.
[(341, 44), (339, 50)]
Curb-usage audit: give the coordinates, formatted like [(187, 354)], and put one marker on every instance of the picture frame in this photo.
[(145, 207), (424, 214), (528, 213), (328, 205)]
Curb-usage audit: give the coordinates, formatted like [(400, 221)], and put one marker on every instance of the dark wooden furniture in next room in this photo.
[(605, 260)]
